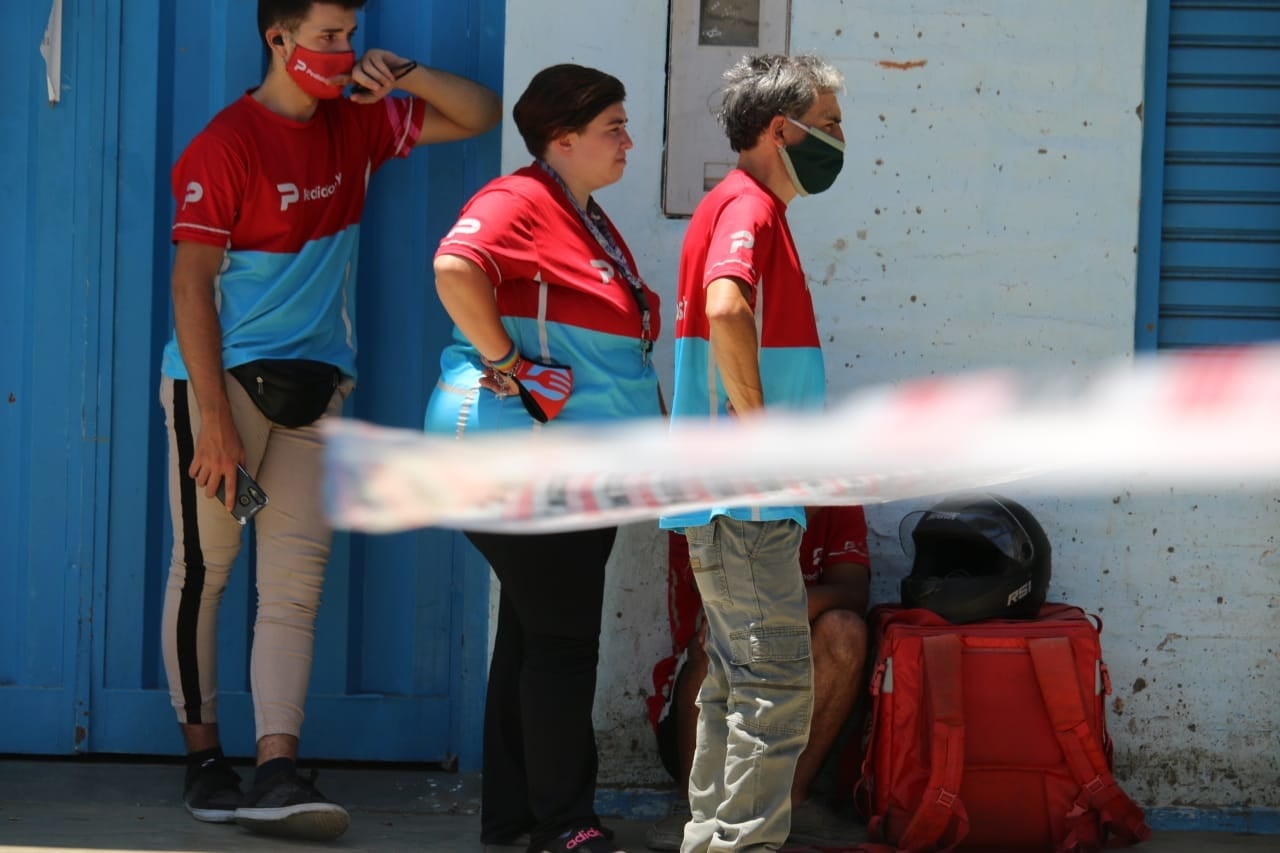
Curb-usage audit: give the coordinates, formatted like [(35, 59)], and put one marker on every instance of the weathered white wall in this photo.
[(987, 215)]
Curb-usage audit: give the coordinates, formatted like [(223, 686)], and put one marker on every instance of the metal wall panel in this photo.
[(83, 576), (1212, 182)]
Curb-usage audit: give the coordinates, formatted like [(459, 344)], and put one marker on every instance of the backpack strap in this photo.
[(1055, 669), (940, 806)]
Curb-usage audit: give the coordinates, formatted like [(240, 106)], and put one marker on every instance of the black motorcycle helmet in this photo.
[(976, 556)]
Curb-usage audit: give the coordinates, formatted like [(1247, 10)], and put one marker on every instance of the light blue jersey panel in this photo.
[(274, 305), (627, 389), (794, 378)]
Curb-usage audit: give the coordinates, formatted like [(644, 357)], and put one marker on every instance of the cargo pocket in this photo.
[(771, 678)]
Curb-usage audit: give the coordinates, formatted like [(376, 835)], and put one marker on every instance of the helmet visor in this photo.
[(995, 524)]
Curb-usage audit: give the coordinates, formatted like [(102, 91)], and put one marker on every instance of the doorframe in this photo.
[(97, 40), (1151, 204)]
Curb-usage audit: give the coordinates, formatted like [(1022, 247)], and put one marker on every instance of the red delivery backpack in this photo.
[(991, 736)]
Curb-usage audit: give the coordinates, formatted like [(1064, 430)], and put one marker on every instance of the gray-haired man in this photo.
[(746, 338)]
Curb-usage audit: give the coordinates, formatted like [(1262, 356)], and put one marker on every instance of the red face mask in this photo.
[(311, 70)]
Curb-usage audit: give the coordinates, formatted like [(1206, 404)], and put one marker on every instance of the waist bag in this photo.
[(291, 392), (991, 736)]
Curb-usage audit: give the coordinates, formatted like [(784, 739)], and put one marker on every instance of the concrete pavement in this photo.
[(56, 806)]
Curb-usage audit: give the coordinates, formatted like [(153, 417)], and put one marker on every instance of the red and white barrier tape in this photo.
[(1202, 416)]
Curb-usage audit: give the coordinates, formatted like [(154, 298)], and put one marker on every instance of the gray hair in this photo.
[(759, 87)]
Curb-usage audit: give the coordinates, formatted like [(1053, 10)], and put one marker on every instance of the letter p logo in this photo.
[(463, 227), (605, 269), (195, 192), (741, 240), (288, 195)]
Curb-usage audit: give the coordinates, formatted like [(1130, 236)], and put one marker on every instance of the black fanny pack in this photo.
[(292, 392)]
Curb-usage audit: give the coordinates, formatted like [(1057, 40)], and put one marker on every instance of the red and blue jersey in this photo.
[(835, 535), (284, 198), (562, 301), (740, 231)]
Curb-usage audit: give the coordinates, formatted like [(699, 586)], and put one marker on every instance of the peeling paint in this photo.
[(903, 66)]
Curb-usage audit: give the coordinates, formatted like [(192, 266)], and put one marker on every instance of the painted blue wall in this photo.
[(84, 530)]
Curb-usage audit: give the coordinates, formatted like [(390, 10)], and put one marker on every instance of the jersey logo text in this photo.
[(289, 192)]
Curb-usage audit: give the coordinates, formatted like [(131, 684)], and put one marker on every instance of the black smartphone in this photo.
[(397, 71), (250, 498)]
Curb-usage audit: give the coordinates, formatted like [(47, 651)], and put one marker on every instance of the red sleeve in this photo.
[(393, 126), (495, 232), (846, 536), (209, 183), (743, 225)]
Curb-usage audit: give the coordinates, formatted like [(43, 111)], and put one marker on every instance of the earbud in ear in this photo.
[(278, 40)]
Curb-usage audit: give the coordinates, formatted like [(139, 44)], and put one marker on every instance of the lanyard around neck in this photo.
[(593, 219)]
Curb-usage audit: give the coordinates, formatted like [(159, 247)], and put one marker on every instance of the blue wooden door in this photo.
[(400, 652), (49, 214), (1209, 258)]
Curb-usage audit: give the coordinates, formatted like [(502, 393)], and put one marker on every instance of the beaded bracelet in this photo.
[(505, 364)]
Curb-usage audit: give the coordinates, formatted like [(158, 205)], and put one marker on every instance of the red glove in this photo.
[(544, 388)]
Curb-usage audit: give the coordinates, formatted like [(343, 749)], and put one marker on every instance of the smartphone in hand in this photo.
[(397, 71), (250, 498)]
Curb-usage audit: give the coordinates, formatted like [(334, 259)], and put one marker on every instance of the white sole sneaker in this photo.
[(309, 821), (213, 815)]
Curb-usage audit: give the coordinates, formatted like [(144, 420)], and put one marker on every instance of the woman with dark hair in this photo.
[(553, 326)]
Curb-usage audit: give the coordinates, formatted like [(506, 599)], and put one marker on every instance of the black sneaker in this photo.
[(588, 839), (288, 805), (211, 791)]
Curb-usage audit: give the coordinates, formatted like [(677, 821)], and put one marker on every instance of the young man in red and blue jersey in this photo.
[(747, 340), (270, 196)]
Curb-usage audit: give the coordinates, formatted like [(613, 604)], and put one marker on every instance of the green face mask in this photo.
[(815, 161)]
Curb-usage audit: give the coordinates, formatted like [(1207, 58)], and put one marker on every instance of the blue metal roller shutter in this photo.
[(1212, 178)]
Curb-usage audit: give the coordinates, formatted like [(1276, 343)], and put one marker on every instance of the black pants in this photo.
[(539, 743)]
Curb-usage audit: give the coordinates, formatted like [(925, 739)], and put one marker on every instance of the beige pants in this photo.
[(293, 547)]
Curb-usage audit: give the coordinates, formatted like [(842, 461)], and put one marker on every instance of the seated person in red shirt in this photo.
[(833, 558)]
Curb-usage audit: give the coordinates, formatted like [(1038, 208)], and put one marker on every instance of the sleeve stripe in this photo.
[(195, 227), (402, 122), (750, 270)]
